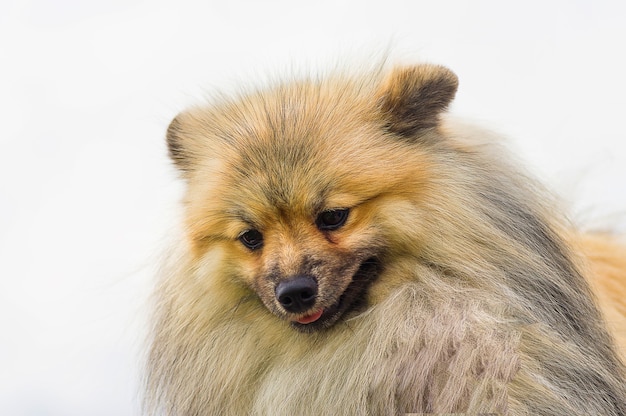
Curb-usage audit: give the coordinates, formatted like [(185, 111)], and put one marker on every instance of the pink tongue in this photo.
[(310, 318)]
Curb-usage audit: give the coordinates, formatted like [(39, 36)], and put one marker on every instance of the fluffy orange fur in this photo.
[(606, 257), (425, 272)]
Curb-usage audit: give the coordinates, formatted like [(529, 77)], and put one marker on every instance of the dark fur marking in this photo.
[(352, 299), (569, 312), (518, 219)]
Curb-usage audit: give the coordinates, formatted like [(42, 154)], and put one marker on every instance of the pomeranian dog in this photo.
[(350, 250)]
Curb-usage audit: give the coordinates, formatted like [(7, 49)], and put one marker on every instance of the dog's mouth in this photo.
[(352, 299)]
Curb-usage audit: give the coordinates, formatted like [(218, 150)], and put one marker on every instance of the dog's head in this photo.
[(303, 188)]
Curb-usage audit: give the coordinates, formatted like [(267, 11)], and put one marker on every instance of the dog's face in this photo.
[(302, 188)]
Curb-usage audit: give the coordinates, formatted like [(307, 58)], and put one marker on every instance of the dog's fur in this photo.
[(452, 286)]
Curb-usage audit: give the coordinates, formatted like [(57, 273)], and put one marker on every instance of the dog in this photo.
[(348, 248)]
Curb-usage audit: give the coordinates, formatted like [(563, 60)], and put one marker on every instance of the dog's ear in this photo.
[(176, 146), (412, 98), (183, 143)]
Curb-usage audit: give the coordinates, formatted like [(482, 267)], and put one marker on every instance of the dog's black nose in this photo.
[(298, 294)]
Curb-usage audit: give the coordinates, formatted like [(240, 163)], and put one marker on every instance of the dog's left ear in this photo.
[(412, 98)]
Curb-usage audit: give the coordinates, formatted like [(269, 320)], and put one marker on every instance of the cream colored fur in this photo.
[(481, 305)]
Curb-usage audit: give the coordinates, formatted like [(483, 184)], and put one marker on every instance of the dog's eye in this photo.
[(332, 219), (252, 239)]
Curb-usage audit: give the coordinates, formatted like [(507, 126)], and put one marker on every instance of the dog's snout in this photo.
[(297, 294)]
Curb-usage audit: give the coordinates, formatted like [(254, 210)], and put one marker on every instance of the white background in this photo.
[(87, 195)]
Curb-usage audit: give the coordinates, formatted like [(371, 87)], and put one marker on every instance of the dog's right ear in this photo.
[(177, 149), (186, 142)]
